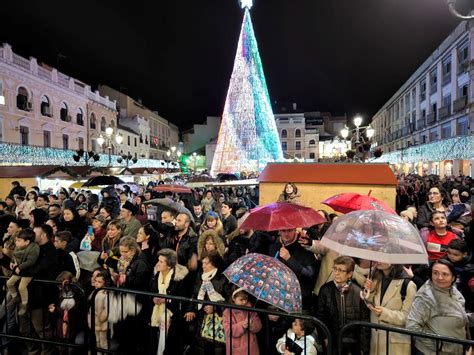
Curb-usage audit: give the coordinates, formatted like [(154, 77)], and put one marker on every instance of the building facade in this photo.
[(196, 138), (425, 127), (43, 107), (162, 134)]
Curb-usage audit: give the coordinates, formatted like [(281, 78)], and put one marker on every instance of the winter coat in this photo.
[(112, 202), (230, 224), (186, 247), (201, 247), (238, 245), (306, 342), (137, 274), (17, 190), (438, 311), (131, 228), (241, 340), (331, 300), (175, 288), (327, 262), (101, 312), (394, 313), (303, 263), (219, 282), (207, 204), (26, 258)]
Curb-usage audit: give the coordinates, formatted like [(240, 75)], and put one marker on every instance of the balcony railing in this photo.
[(420, 124), (444, 112), (431, 118), (460, 103)]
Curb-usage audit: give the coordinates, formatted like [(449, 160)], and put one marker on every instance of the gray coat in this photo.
[(26, 258), (438, 311)]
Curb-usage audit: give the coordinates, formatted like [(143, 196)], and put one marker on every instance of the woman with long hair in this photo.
[(212, 222), (148, 239), (289, 194)]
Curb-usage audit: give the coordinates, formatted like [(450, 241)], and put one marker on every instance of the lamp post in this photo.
[(174, 154), (194, 158), (368, 130), (108, 140)]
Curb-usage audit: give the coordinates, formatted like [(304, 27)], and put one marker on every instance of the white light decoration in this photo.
[(2, 100), (246, 4), (119, 139), (456, 148), (345, 132), (370, 132), (109, 131)]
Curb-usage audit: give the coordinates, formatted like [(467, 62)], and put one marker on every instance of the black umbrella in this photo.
[(104, 180), (226, 177)]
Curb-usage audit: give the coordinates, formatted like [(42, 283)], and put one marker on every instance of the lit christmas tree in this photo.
[(248, 137)]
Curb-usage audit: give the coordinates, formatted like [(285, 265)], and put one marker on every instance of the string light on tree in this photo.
[(248, 137)]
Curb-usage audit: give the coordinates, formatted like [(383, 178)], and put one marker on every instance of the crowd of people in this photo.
[(115, 239)]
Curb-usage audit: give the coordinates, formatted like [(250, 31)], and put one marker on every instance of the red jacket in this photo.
[(437, 245)]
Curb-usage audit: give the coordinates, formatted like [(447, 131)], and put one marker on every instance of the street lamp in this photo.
[(454, 12), (368, 130), (174, 154), (108, 140), (194, 158)]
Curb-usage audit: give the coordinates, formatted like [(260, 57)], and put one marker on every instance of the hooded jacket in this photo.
[(112, 202), (438, 311)]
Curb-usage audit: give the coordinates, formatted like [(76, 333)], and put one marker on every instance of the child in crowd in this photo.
[(25, 255), (298, 339), (242, 323), (439, 237), (100, 279)]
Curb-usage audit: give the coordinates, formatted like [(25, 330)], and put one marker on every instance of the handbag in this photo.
[(86, 243), (213, 328)]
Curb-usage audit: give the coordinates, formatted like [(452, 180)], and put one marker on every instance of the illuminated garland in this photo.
[(455, 148), (248, 137), (13, 154)]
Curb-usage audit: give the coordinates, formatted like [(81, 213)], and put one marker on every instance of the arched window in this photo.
[(63, 111), (284, 133), (80, 117), (103, 124), (312, 142), (297, 133), (46, 106), (93, 123), (112, 124), (22, 102)]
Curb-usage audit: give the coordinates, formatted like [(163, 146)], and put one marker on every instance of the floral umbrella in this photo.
[(377, 236), (267, 279)]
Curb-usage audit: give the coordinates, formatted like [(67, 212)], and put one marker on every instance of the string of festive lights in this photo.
[(248, 137), (456, 148), (14, 154)]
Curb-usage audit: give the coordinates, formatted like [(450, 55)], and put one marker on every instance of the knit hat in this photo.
[(100, 218), (130, 206)]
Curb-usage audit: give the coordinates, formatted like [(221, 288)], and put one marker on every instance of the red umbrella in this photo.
[(350, 201), (281, 216), (172, 188)]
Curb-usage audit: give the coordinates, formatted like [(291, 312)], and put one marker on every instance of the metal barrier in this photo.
[(39, 327), (437, 339), (189, 333)]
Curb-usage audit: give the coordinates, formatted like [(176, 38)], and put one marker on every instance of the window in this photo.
[(45, 106), (423, 113), (312, 142), (63, 111), (311, 155), (128, 141), (464, 90), (423, 90), (462, 126), (433, 80), (447, 101), (80, 117), (446, 131), (47, 139), (22, 100), (24, 135), (297, 145), (284, 133), (141, 138), (433, 135), (65, 141), (80, 143), (93, 123), (446, 70), (135, 141), (94, 145), (284, 146), (463, 57), (1, 129), (298, 133), (103, 124)]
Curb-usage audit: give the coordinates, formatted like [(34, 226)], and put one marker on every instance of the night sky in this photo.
[(327, 55)]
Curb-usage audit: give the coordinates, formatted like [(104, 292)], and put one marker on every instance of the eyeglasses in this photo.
[(339, 270)]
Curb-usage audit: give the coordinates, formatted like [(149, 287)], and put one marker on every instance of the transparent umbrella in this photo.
[(377, 236)]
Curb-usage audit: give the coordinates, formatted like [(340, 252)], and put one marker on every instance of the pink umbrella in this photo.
[(350, 201)]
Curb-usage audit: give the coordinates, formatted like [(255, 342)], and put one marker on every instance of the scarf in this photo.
[(161, 317), (208, 287)]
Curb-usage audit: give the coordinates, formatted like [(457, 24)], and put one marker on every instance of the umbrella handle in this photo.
[(277, 254)]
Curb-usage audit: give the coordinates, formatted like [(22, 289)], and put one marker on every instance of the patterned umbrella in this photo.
[(267, 279), (377, 236)]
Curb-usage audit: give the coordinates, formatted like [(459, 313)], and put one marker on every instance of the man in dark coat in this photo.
[(110, 200), (228, 219), (299, 260), (17, 189)]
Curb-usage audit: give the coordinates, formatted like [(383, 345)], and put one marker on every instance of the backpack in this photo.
[(403, 291)]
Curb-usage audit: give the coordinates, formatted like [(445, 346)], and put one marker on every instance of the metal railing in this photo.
[(438, 340)]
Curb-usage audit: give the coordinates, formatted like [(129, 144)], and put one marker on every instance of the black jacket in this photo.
[(137, 274), (423, 215), (186, 247), (230, 224), (303, 263), (336, 309), (220, 284)]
